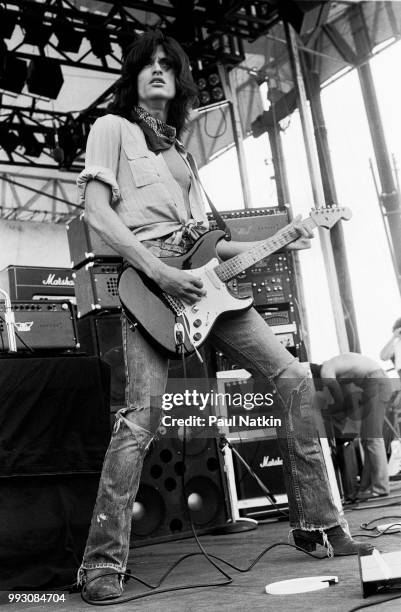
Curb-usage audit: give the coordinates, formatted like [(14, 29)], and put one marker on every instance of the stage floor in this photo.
[(246, 592)]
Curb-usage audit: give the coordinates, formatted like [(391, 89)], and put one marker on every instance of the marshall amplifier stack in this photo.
[(42, 300)]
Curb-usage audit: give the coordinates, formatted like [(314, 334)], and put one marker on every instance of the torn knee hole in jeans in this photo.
[(120, 416), (142, 435)]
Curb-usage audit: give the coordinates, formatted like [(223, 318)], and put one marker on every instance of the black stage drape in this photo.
[(54, 430)]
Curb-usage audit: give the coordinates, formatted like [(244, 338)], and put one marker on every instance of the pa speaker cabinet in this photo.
[(101, 335), (160, 512)]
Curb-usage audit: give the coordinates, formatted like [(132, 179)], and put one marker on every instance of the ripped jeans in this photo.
[(248, 341)]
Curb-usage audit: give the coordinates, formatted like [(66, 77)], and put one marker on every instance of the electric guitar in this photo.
[(161, 316)]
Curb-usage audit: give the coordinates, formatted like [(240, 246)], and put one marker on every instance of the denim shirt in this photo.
[(144, 193)]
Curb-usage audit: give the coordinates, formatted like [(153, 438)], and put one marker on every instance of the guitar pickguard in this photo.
[(200, 317)]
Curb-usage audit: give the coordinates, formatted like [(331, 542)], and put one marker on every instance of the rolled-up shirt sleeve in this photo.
[(102, 157)]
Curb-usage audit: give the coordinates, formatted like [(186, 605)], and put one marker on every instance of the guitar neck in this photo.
[(230, 268)]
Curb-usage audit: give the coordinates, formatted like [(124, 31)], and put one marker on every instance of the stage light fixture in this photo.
[(45, 77), (69, 39), (125, 39), (32, 22), (213, 79), (210, 89), (32, 146), (226, 47), (204, 97), (201, 83), (100, 42), (217, 94), (70, 140), (8, 21), (8, 138), (13, 71)]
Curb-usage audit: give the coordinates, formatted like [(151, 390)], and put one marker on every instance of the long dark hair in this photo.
[(138, 56)]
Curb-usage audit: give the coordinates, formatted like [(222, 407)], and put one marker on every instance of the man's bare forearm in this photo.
[(102, 218), (226, 249)]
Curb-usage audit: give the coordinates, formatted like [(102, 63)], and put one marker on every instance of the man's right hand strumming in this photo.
[(180, 284)]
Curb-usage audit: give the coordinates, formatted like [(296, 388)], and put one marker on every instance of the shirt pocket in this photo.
[(144, 172)]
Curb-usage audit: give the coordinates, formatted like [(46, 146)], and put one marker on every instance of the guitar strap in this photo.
[(221, 224)]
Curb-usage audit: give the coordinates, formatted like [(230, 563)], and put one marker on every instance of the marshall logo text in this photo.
[(57, 282)]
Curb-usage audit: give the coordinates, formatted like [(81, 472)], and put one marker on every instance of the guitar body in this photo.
[(157, 314), (145, 304)]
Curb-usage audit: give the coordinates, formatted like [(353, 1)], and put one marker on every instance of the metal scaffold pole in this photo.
[(283, 198), (337, 233), (317, 189), (227, 79), (389, 196)]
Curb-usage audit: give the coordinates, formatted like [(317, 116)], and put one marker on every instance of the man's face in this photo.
[(156, 80)]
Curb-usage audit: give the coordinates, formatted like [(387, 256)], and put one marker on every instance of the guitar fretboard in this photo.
[(230, 268)]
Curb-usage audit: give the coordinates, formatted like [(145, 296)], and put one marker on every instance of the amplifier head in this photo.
[(36, 282), (253, 223)]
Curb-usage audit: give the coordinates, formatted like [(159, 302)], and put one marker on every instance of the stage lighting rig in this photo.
[(32, 22), (8, 21), (125, 38), (71, 142), (45, 77), (32, 146), (8, 138), (13, 71), (69, 39), (99, 41), (210, 88)]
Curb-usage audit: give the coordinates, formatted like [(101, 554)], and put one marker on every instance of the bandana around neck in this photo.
[(159, 136)]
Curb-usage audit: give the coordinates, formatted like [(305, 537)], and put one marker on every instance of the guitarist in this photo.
[(142, 195)]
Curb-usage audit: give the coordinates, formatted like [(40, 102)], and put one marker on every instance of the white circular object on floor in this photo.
[(300, 585)]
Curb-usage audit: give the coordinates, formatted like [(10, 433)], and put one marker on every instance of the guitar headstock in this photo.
[(328, 217)]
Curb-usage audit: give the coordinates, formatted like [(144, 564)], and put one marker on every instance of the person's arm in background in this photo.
[(388, 349)]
